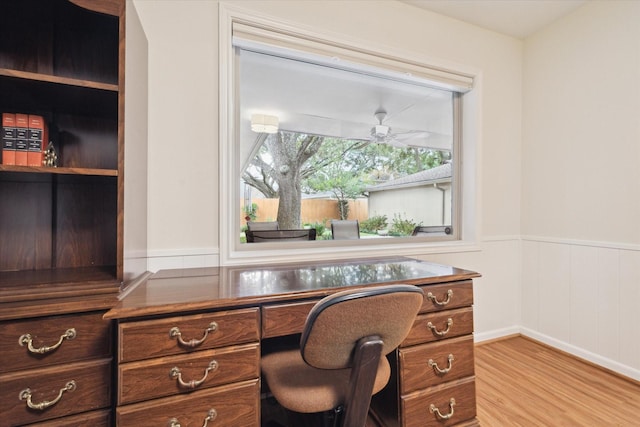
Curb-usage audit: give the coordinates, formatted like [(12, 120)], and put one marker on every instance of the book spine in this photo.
[(22, 138), (8, 139), (35, 150)]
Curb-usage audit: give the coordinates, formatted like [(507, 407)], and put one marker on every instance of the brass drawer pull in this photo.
[(439, 370), (211, 415), (434, 300), (435, 330), (27, 340), (176, 373), (441, 416), (175, 333), (26, 395)]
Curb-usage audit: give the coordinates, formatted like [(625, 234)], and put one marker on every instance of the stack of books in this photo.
[(24, 139)]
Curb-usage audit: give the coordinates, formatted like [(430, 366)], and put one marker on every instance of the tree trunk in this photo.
[(343, 208), (290, 204), (289, 156)]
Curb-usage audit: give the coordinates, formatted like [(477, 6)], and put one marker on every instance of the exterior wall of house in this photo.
[(424, 205)]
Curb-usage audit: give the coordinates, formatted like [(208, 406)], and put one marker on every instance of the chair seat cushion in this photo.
[(302, 388)]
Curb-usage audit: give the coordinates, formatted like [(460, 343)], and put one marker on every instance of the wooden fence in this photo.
[(313, 210)]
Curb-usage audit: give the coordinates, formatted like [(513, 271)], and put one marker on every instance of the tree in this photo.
[(345, 176), (278, 171), (288, 163)]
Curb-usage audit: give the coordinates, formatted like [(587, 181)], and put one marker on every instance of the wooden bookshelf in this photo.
[(70, 70), (62, 228)]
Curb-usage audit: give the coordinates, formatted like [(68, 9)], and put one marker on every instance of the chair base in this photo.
[(274, 415)]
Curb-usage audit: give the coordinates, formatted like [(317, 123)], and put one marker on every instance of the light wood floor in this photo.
[(520, 382)]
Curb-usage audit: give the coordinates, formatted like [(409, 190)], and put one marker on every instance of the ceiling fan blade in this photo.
[(396, 143), (412, 134)]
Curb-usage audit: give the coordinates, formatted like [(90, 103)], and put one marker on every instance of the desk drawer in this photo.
[(100, 418), (69, 338), (235, 405), (453, 360), (150, 379), (439, 326), (179, 335), (81, 387), (459, 395), (447, 296), (285, 319)]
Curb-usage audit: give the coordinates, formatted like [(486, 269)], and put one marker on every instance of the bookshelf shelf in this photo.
[(59, 171), (28, 76)]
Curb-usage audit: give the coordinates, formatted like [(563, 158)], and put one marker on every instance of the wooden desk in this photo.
[(189, 341)]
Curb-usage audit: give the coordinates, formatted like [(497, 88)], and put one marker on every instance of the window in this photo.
[(324, 133)]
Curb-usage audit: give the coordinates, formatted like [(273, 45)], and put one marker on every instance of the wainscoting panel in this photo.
[(585, 299)]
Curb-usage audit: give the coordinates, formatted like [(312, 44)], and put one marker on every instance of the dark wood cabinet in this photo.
[(61, 229), (62, 226)]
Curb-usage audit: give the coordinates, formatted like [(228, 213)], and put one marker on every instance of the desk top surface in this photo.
[(185, 290)]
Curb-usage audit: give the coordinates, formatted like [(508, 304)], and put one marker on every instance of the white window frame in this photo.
[(232, 252)]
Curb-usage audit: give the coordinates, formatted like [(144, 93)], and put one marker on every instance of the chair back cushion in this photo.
[(264, 236), (262, 225), (337, 322)]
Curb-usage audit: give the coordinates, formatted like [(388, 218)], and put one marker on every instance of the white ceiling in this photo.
[(517, 18), (330, 101), (322, 100)]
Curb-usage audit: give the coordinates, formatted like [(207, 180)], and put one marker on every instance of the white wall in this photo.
[(581, 185), (566, 178), (136, 154), (183, 129)]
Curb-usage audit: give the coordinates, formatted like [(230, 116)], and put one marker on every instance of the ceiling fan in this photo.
[(381, 133)]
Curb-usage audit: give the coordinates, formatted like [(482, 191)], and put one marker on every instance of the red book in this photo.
[(36, 142), (22, 138), (8, 139)]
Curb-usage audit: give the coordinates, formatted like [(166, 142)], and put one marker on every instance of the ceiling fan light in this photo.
[(380, 131), (264, 123)]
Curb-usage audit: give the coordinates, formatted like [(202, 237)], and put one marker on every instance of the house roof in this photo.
[(435, 175)]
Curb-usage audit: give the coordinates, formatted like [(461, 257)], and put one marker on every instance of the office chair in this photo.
[(262, 225), (263, 236), (345, 229), (341, 361)]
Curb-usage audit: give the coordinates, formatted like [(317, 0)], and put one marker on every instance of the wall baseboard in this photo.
[(479, 337), (611, 365), (601, 362)]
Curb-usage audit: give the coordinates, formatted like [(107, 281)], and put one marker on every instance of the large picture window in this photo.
[(326, 138), (344, 144)]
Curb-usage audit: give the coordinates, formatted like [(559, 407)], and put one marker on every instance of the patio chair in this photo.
[(345, 229), (263, 236), (262, 225)]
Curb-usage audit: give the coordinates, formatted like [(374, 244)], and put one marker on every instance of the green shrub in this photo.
[(251, 211), (321, 230), (402, 226), (373, 224)]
